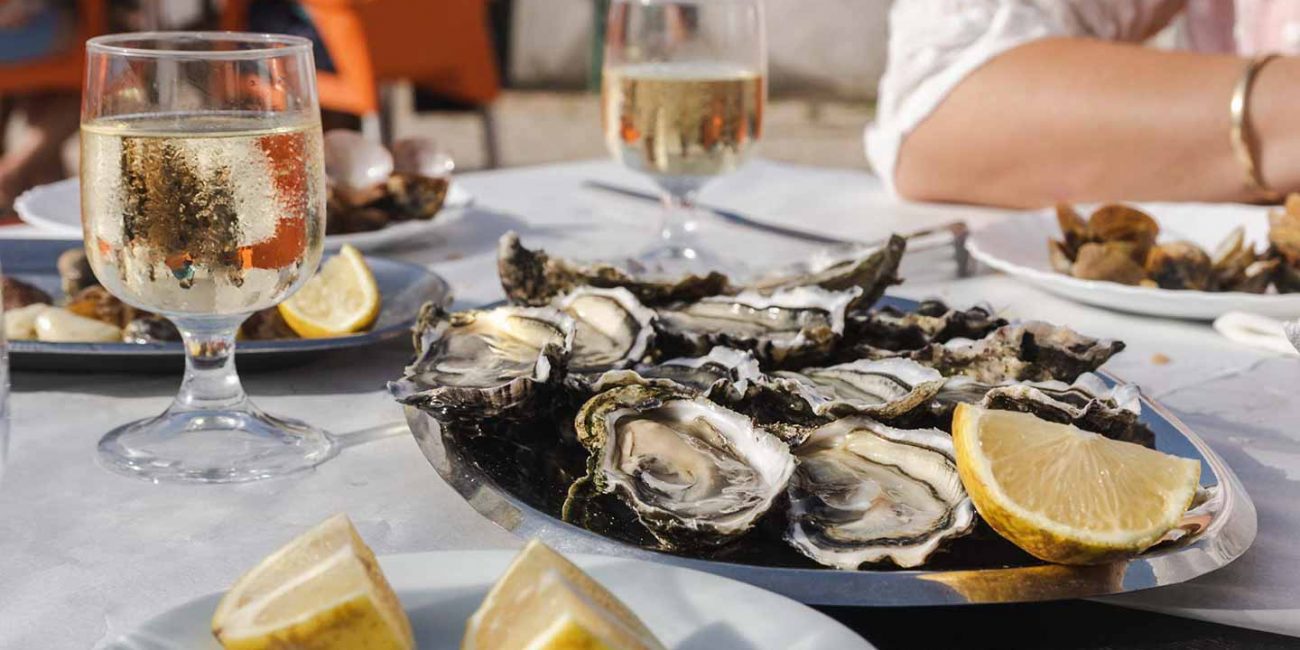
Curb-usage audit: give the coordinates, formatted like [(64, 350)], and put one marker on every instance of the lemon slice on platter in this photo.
[(1067, 495), (323, 590), (545, 602), (341, 299)]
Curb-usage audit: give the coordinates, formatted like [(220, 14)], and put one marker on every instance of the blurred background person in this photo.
[(1029, 102)]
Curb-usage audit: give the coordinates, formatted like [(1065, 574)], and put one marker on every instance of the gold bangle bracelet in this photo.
[(1243, 138)]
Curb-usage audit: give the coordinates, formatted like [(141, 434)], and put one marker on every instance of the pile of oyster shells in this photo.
[(370, 187), (706, 415), (1117, 243)]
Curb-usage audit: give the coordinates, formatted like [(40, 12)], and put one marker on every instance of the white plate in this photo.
[(56, 208), (1018, 247), (687, 610)]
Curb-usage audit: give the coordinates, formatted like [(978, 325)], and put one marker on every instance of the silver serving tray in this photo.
[(1215, 532)]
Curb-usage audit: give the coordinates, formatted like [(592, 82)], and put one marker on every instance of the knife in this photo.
[(958, 229)]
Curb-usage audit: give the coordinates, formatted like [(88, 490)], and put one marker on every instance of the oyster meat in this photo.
[(484, 364), (724, 374), (612, 329), (695, 473), (531, 277), (865, 493), (785, 328), (1029, 351)]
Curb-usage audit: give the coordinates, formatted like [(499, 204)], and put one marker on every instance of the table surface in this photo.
[(86, 555)]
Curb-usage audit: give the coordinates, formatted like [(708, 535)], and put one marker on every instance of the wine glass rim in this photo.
[(273, 45)]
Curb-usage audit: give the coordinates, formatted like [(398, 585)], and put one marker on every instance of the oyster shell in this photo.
[(1110, 261), (612, 328), (784, 328), (1029, 351), (695, 473), (484, 364), (871, 269), (1087, 403), (864, 493), (531, 277), (932, 321), (1180, 265), (356, 166)]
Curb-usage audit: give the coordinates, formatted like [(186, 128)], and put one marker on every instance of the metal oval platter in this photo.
[(1220, 528), (403, 287)]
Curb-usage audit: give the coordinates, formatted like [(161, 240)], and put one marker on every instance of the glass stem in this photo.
[(677, 226), (211, 382)]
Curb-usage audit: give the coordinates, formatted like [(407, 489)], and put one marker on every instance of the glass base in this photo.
[(222, 446)]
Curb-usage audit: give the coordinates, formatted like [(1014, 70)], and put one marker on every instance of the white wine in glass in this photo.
[(683, 119), (203, 199), (683, 89), (203, 213)]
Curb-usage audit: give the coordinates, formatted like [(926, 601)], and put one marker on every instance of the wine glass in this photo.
[(203, 200), (683, 89)]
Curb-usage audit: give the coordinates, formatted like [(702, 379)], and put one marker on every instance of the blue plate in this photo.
[(404, 288)]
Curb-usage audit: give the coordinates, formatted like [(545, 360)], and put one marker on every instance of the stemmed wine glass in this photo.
[(203, 200), (683, 89)]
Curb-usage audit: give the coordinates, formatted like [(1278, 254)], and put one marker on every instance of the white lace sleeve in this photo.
[(934, 44)]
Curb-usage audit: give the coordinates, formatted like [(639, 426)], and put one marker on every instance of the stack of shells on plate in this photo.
[(1117, 243), (712, 415), (370, 187)]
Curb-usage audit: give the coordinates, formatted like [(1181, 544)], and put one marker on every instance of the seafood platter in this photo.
[(796, 432)]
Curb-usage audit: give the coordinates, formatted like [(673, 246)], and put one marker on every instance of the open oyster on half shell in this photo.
[(783, 328), (612, 329), (533, 277), (484, 364), (865, 492), (883, 388), (695, 473), (1028, 351)]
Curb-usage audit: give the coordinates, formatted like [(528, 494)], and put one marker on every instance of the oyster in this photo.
[(724, 374), (613, 330), (885, 388), (18, 294), (785, 328), (1087, 403), (871, 269), (484, 364), (864, 492), (531, 277), (932, 321), (356, 167), (695, 473), (1030, 351)]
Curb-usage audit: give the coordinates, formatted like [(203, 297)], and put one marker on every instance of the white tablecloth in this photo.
[(86, 555)]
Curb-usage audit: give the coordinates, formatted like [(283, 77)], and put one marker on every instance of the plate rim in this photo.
[(1222, 541), (392, 563)]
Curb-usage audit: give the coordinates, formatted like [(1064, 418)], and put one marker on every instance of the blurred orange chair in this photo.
[(61, 71), (440, 45)]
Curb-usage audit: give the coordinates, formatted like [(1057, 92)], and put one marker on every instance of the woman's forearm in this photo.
[(1085, 120)]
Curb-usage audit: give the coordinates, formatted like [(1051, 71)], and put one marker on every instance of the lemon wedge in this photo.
[(341, 299), (1067, 495), (544, 602), (323, 590)]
